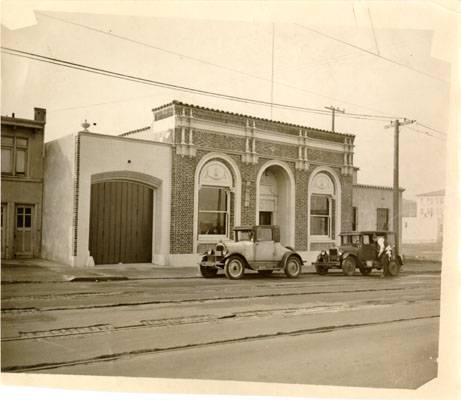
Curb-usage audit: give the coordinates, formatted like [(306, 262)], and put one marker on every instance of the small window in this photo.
[(264, 234), (382, 219), (7, 161), (20, 161)]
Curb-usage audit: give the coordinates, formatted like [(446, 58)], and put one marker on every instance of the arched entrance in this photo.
[(122, 217), (275, 199)]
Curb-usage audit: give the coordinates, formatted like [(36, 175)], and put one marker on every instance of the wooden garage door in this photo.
[(121, 222)]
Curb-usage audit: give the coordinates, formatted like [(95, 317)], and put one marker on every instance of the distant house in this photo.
[(427, 225), (22, 185)]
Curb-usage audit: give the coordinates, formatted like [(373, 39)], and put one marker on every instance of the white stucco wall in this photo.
[(101, 153), (58, 199), (419, 230)]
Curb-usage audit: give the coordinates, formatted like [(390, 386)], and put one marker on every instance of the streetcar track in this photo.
[(220, 298), (208, 318), (151, 351)]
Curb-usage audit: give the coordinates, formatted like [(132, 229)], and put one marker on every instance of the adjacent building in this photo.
[(169, 191), (427, 225), (22, 185)]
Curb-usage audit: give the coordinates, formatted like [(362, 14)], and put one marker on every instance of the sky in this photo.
[(372, 58)]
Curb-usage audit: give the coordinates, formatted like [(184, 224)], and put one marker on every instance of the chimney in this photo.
[(39, 114)]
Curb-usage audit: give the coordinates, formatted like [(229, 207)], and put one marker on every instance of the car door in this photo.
[(264, 247), (367, 251)]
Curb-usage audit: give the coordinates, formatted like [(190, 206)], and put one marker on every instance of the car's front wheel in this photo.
[(293, 267), (208, 272), (348, 266), (234, 268)]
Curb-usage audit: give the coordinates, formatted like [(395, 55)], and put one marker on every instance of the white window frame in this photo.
[(329, 216), (213, 237)]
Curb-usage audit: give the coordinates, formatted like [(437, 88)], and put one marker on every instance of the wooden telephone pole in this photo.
[(396, 204), (333, 111)]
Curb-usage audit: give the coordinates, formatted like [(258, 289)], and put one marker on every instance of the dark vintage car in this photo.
[(366, 250), (257, 248)]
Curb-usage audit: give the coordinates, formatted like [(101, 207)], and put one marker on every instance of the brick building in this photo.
[(194, 174), (22, 185)]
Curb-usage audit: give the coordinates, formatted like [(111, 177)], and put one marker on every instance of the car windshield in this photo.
[(350, 239), (244, 235)]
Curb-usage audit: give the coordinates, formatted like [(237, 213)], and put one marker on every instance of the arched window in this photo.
[(215, 185), (322, 206)]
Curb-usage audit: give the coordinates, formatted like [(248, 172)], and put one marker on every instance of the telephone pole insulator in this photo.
[(333, 111)]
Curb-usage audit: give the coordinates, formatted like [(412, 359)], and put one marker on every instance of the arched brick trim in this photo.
[(137, 177), (237, 187), (338, 196), (291, 178)]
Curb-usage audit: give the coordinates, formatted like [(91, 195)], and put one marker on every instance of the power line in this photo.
[(104, 72), (112, 74), (138, 42), (443, 138), (373, 30), (372, 53), (432, 129)]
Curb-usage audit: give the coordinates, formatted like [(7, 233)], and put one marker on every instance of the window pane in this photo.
[(21, 142), (212, 199), (212, 223), (6, 160), (28, 222), (7, 141), (319, 205), (20, 161), (20, 221), (264, 234), (319, 226)]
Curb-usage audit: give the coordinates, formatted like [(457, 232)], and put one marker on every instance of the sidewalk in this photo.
[(39, 270)]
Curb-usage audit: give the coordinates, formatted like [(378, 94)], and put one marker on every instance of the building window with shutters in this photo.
[(14, 156), (322, 207), (382, 219), (214, 201)]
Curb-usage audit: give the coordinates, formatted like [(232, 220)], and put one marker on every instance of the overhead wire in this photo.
[(200, 60), (132, 78), (372, 53)]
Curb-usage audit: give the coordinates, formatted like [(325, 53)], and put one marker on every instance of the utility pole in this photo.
[(396, 192), (333, 110)]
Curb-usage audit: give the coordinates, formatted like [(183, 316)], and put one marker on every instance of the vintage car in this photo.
[(257, 248), (366, 250)]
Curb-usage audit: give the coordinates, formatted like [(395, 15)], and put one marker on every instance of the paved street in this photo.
[(335, 330)]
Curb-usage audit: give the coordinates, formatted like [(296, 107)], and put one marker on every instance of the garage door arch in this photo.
[(122, 225)]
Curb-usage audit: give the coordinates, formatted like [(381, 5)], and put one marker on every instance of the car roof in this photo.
[(366, 233)]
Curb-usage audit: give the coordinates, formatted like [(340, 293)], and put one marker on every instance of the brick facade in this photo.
[(214, 139)]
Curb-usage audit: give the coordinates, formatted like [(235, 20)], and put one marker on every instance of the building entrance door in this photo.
[(121, 215), (23, 231)]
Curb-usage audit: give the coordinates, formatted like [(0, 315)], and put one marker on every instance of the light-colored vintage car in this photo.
[(257, 248)]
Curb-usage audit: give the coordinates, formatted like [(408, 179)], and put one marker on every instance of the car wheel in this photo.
[(321, 270), (265, 272), (293, 267), (348, 266), (234, 268), (365, 271), (208, 272), (391, 268)]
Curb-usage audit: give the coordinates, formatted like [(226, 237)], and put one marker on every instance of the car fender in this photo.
[(284, 259), (347, 254), (247, 265)]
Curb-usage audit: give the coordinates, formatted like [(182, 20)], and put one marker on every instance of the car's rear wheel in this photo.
[(365, 271), (293, 267), (321, 270), (208, 272), (391, 268), (265, 272), (234, 268), (348, 266)]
